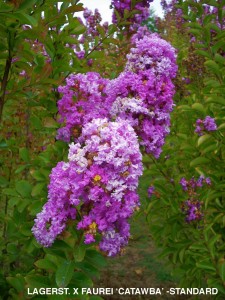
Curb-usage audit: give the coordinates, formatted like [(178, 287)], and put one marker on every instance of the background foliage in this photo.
[(195, 250), (37, 45)]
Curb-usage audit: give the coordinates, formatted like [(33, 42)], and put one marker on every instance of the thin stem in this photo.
[(5, 78), (4, 83)]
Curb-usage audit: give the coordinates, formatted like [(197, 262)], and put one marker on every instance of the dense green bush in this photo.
[(34, 60), (194, 249)]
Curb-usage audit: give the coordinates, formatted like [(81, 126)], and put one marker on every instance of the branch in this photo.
[(4, 83)]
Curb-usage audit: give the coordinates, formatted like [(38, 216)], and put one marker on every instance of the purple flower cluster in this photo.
[(143, 93), (101, 177), (83, 100), (193, 207), (92, 20), (103, 119), (152, 56), (126, 5), (208, 124)]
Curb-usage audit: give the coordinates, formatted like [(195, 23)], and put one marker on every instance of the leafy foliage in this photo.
[(37, 53), (196, 249)]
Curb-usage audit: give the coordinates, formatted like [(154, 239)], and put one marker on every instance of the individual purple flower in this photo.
[(209, 124), (193, 206), (208, 181), (89, 238), (184, 183), (151, 190), (199, 182), (205, 125), (80, 54)]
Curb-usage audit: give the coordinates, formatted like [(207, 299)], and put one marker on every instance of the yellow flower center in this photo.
[(97, 178), (93, 226)]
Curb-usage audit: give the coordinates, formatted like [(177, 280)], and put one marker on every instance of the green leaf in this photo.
[(24, 154), (17, 282), (211, 244), (184, 108), (74, 8), (40, 176), (210, 148), (5, 7), (81, 280), (26, 4), (37, 281), (198, 247), (221, 267), (203, 53), (88, 269), (37, 189), (45, 264), (217, 46), (222, 126), (216, 283), (10, 192), (206, 265), (79, 29), (198, 107), (35, 207), (79, 253), (95, 258), (96, 54), (202, 139), (3, 182), (22, 17), (212, 83), (212, 66), (216, 99), (199, 161), (50, 123), (65, 273), (3, 144), (24, 188), (21, 168), (220, 59), (30, 20)]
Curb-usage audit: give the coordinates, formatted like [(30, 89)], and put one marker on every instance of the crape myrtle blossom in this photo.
[(83, 100), (105, 121), (152, 55), (101, 176), (192, 207), (205, 125), (142, 93), (121, 6), (146, 103)]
